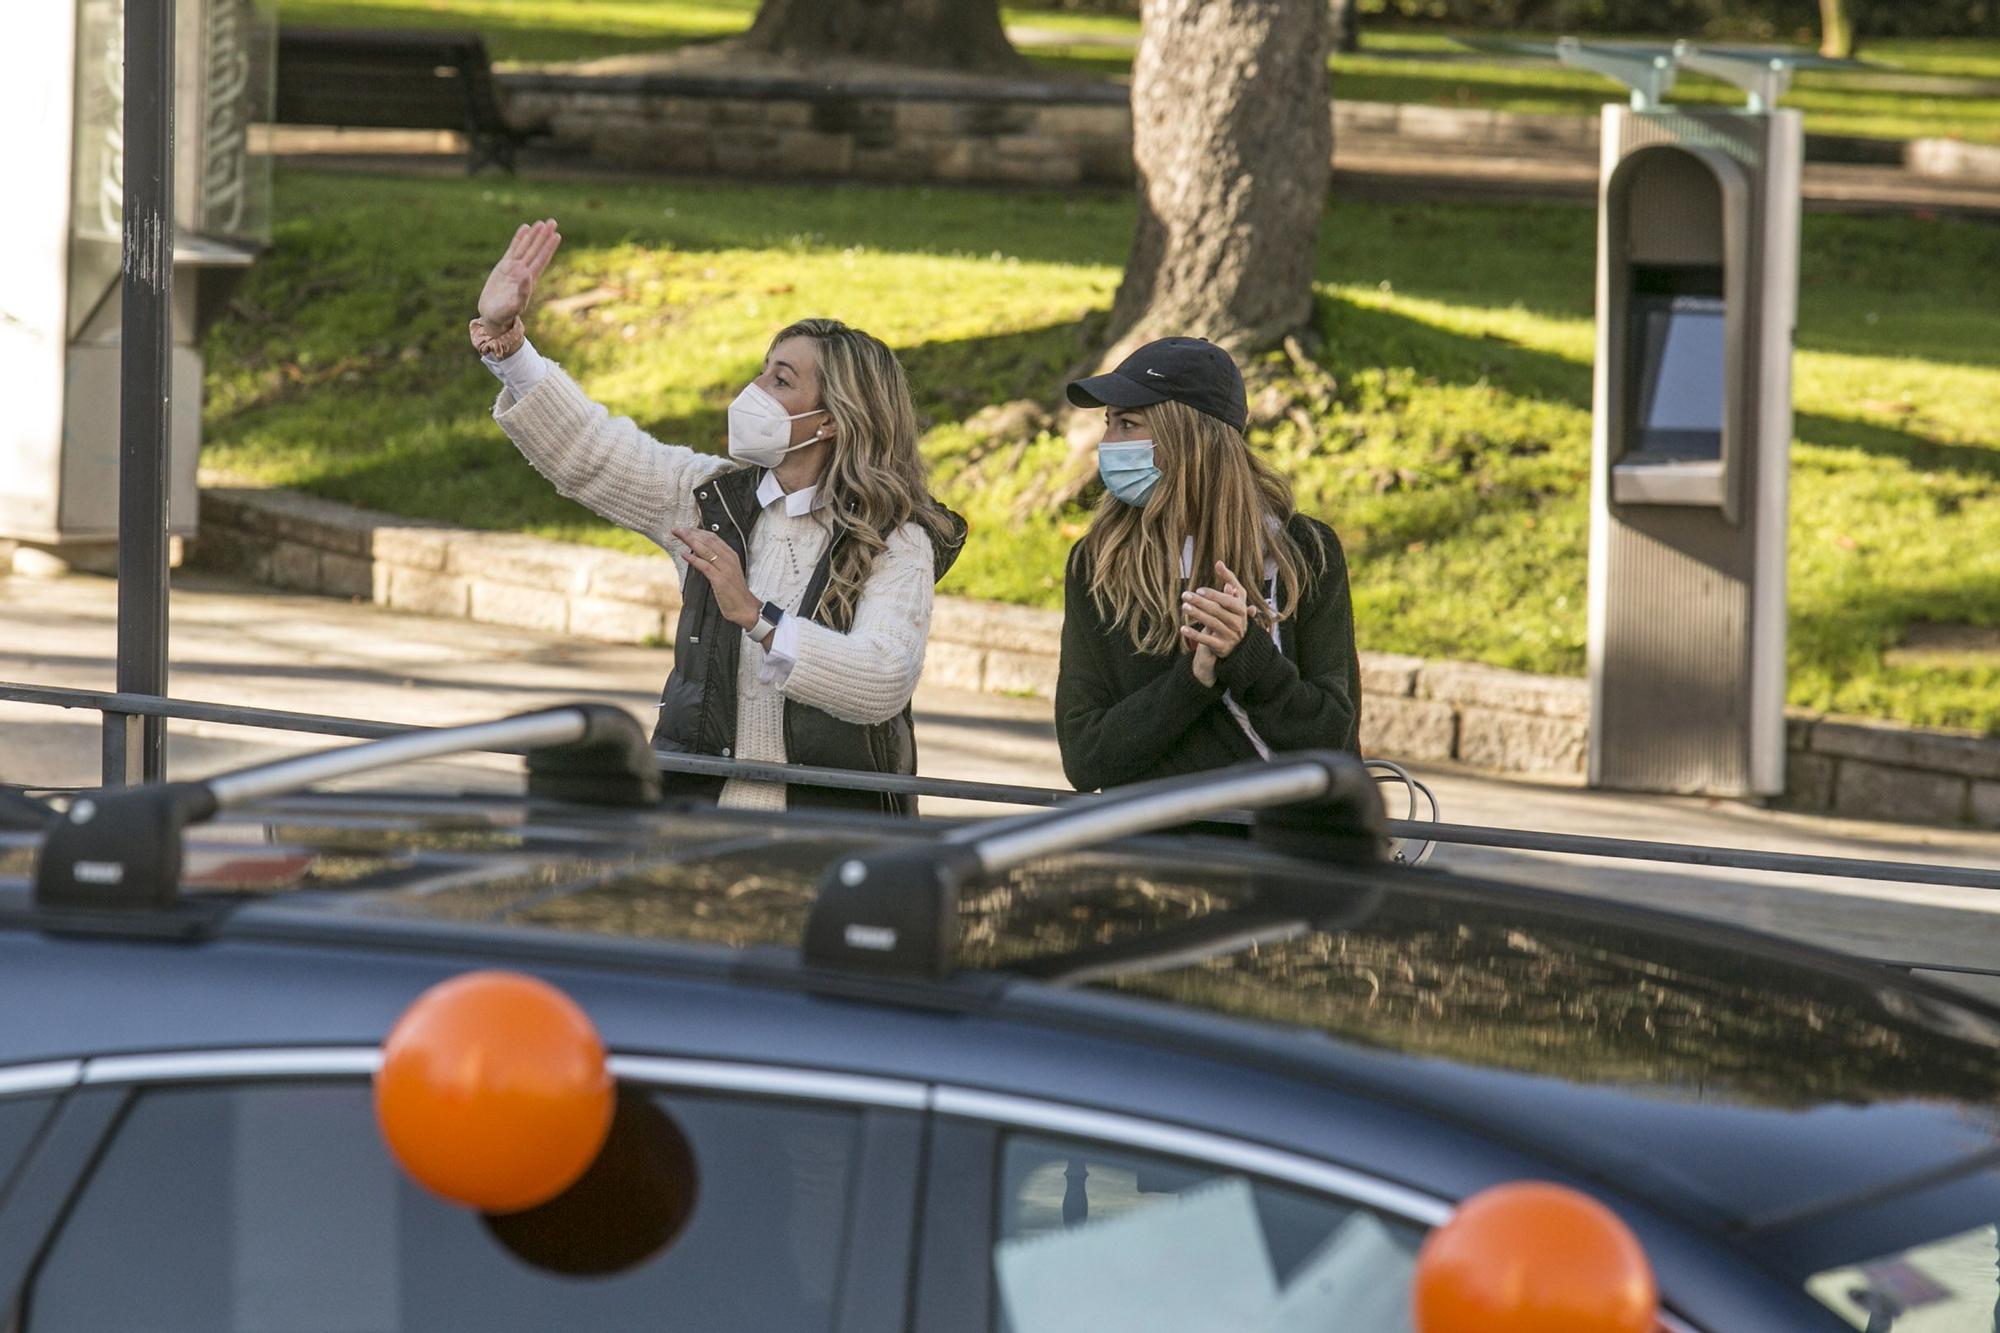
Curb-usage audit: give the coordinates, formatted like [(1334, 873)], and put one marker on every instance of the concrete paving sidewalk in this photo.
[(1396, 170), (238, 644), (1377, 169)]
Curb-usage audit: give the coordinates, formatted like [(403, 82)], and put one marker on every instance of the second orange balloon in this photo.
[(1532, 1257)]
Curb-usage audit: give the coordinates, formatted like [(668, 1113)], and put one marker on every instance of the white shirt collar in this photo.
[(801, 501)]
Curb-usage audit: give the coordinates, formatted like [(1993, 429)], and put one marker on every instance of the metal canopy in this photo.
[(1649, 69), (1763, 73)]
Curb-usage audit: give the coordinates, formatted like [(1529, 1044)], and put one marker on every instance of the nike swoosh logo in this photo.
[(1155, 374)]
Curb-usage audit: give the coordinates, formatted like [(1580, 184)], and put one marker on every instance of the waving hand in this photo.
[(512, 283)]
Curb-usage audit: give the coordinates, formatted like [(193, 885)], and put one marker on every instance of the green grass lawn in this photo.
[(1392, 66), (539, 30), (1452, 454)]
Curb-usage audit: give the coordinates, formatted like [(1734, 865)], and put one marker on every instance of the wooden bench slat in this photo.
[(393, 79)]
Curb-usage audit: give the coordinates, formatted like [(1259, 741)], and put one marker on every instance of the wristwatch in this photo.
[(767, 622)]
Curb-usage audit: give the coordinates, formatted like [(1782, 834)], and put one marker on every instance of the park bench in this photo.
[(403, 80)]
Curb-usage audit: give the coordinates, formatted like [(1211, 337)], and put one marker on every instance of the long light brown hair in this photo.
[(875, 479), (1213, 488)]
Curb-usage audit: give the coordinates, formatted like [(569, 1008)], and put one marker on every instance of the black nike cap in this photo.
[(1187, 370)]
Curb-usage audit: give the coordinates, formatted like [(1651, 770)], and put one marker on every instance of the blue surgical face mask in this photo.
[(1128, 471)]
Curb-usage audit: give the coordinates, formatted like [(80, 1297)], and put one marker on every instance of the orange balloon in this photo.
[(1531, 1257), (494, 1091)]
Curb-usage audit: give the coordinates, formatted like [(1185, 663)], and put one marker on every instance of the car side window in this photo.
[(276, 1208), (1094, 1238), (21, 1119)]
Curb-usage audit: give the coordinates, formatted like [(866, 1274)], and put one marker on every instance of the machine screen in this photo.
[(1682, 376)]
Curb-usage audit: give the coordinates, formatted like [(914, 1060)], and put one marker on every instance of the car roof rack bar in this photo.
[(118, 849), (20, 810), (1002, 844), (528, 731), (894, 909)]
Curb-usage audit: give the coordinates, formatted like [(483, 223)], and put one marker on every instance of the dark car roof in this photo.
[(1713, 1070)]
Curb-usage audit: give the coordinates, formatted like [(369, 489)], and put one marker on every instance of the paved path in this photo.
[(233, 643), (1363, 168), (1381, 168)]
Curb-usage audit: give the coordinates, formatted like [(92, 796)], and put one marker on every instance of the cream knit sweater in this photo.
[(625, 475)]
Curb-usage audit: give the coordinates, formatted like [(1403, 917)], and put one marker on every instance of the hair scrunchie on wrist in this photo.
[(498, 346)]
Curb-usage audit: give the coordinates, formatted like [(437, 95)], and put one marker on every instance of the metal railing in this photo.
[(116, 705)]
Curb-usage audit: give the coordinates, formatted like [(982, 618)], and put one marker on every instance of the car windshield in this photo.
[(1501, 982), (1434, 968), (1946, 1286)]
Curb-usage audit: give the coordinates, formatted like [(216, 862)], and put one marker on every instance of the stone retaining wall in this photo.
[(1414, 709), (1954, 159), (1878, 770), (1019, 132), (993, 133)]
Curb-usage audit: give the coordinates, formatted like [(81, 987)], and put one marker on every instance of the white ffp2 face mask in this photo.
[(760, 433)]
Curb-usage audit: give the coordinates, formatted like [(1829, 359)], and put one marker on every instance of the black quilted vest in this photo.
[(698, 706)]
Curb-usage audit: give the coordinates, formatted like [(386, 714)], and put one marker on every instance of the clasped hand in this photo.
[(1215, 621)]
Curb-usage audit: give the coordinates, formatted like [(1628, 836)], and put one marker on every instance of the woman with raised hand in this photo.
[(808, 556), (1205, 620)]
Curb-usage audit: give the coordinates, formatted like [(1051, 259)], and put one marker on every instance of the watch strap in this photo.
[(768, 617)]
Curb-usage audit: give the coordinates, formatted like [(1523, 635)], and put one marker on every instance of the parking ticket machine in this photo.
[(1697, 292), (1697, 296), (61, 96)]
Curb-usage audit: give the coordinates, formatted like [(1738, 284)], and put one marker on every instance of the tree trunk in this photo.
[(935, 34), (1233, 138), (1344, 21), (1836, 29), (1232, 134)]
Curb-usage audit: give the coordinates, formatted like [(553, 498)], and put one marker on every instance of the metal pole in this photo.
[(135, 747)]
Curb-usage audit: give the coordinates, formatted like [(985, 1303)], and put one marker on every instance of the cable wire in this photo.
[(1386, 770)]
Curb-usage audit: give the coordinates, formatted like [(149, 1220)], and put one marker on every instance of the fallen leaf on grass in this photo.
[(582, 301)]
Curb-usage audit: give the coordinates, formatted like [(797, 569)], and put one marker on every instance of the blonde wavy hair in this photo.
[(1213, 488), (875, 478)]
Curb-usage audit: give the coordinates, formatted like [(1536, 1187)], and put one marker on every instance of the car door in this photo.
[(1040, 1216), (1046, 1218), (251, 1190)]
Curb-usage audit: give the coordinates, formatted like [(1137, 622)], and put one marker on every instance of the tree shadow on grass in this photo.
[(1876, 286), (450, 463), (1423, 83), (953, 378), (468, 220), (1363, 337), (1920, 453), (1536, 256), (1360, 337), (1846, 642)]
